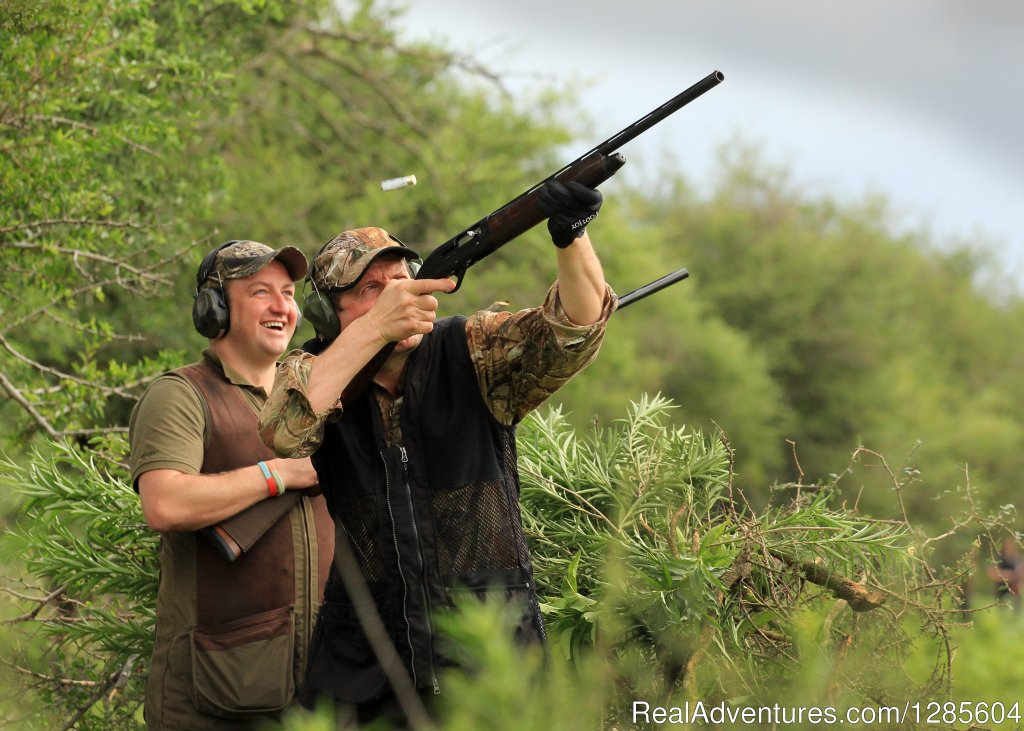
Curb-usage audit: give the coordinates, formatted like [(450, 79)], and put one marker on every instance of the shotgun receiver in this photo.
[(483, 238)]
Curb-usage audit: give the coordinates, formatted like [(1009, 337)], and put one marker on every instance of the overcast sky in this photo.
[(921, 100)]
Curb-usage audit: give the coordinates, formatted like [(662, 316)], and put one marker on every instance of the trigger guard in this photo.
[(457, 276)]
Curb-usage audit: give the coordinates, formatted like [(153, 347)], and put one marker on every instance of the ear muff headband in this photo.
[(317, 306), (319, 310), (210, 312)]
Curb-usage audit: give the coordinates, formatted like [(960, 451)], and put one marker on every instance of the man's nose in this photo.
[(280, 302)]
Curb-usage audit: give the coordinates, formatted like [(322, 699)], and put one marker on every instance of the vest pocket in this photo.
[(513, 587), (244, 667), (342, 664)]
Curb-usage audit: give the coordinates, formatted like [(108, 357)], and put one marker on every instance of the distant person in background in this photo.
[(1008, 573)]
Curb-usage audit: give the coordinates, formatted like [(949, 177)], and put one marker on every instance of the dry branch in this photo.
[(856, 595)]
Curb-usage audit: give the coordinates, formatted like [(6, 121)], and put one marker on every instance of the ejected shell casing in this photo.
[(396, 183)]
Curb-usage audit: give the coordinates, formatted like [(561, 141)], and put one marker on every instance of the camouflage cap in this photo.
[(240, 259), (346, 257)]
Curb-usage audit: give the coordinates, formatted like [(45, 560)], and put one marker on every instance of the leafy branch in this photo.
[(89, 615), (640, 538)]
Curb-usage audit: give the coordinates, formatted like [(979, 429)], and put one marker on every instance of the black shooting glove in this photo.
[(569, 207)]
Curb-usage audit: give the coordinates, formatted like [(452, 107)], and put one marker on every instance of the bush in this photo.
[(659, 585)]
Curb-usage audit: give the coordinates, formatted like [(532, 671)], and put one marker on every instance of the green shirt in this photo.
[(168, 426)]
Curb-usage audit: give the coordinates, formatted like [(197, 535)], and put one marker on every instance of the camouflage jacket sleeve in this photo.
[(288, 424), (522, 358)]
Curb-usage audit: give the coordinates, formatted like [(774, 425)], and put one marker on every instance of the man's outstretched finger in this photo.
[(427, 286)]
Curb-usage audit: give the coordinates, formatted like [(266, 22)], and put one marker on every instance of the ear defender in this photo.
[(210, 313), (319, 310)]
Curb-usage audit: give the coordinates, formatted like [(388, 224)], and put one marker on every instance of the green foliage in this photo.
[(503, 686), (809, 327), (138, 134), (625, 493), (641, 613), (661, 586), (986, 649), (98, 181), (657, 580), (514, 678), (820, 326), (658, 502), (91, 594)]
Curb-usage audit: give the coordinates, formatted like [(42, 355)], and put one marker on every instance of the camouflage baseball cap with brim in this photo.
[(244, 258), (346, 257)]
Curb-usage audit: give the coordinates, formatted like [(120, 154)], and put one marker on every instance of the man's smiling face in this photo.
[(263, 312)]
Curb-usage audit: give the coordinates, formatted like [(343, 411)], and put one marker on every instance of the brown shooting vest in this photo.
[(232, 637)]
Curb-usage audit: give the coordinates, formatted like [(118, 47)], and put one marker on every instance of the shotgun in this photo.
[(490, 233)]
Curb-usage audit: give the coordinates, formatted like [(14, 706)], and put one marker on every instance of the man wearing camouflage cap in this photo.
[(231, 633), (419, 470)]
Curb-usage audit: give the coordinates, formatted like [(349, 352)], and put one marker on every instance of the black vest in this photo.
[(435, 516)]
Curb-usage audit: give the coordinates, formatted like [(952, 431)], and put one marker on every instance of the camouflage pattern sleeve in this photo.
[(288, 424), (522, 358)]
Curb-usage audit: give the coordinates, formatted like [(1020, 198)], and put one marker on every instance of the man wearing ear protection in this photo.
[(231, 636), (419, 470)]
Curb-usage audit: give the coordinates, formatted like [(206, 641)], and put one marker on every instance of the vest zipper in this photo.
[(423, 571), (401, 573)]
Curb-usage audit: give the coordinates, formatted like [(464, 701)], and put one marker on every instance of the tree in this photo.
[(99, 102), (853, 335), (137, 135)]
